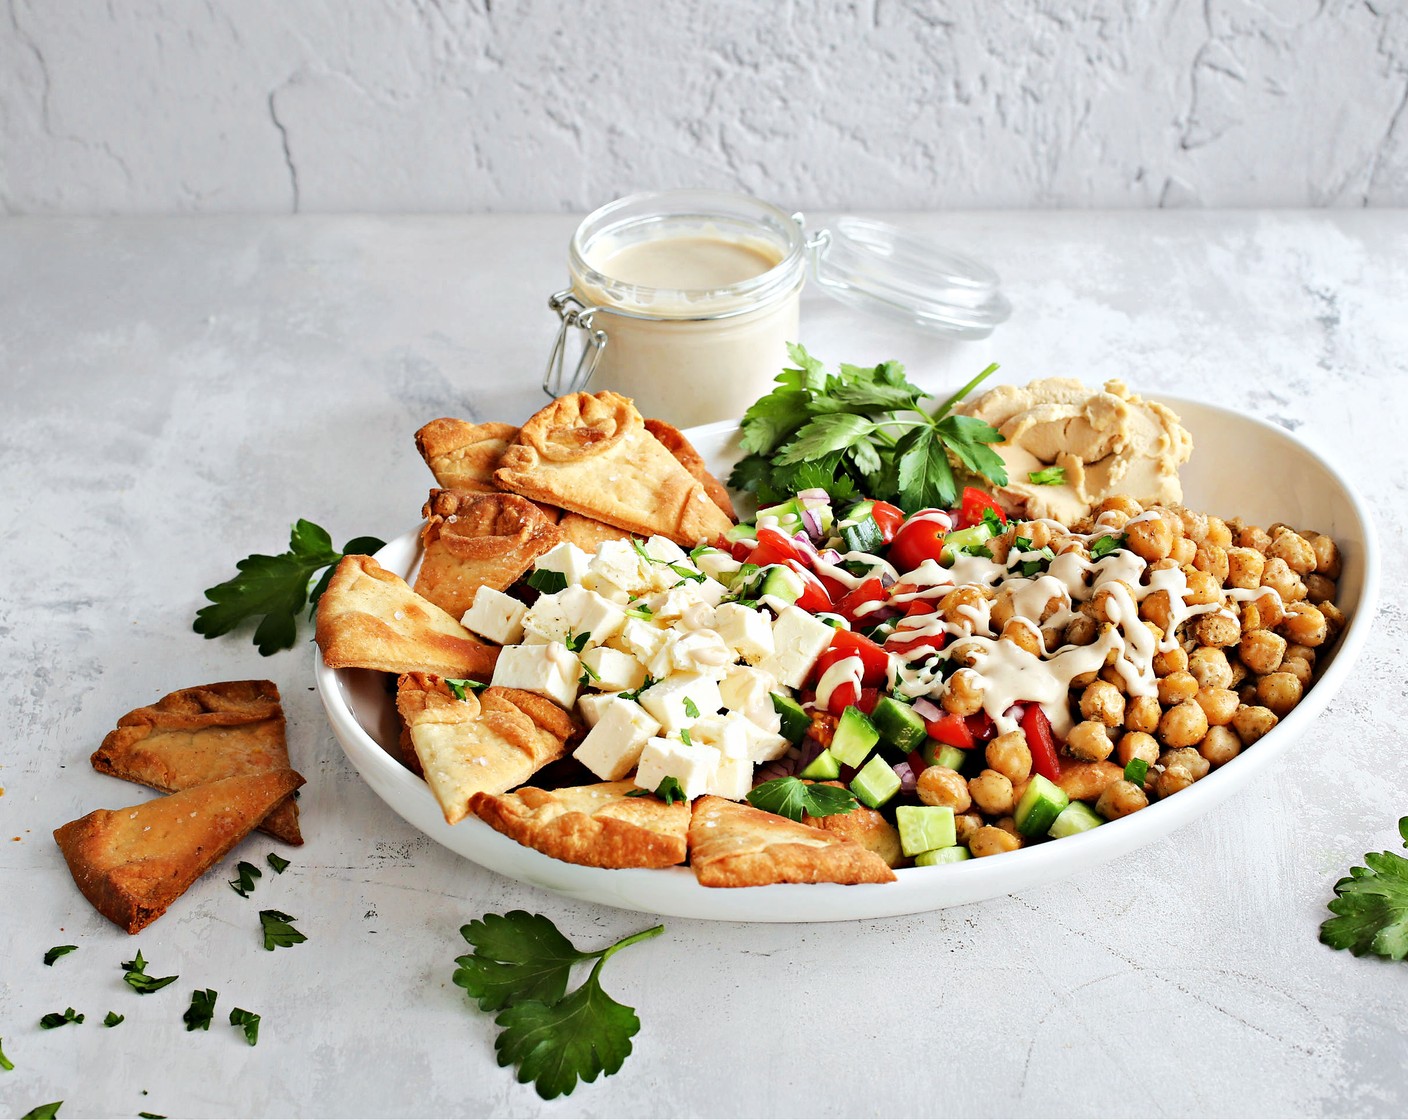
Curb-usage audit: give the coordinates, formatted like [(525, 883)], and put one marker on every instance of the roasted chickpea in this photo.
[(1218, 533), (1009, 824), (1278, 576), (1103, 702), (1244, 568), (1021, 633), (1239, 672), (1183, 552), (1168, 782), (1120, 799), (1108, 602), (1279, 691), (1218, 704), (992, 841), (1142, 713), (1136, 744), (1334, 618), (1010, 756), (1121, 502), (1150, 537), (1253, 537), (1251, 722), (1305, 625), (938, 785), (1202, 588), (1170, 661), (1318, 588), (1187, 758), (1295, 550), (1183, 725), (1210, 668), (1220, 745), (965, 607), (1081, 630), (963, 695), (1085, 781), (1158, 609), (1217, 628), (1305, 653), (965, 824), (992, 793), (1089, 741), (1269, 610), (1177, 687), (1299, 668), (1327, 556), (1261, 651), (1195, 524), (1212, 558)]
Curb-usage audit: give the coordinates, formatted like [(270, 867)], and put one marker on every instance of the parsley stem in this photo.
[(943, 409), (643, 935)]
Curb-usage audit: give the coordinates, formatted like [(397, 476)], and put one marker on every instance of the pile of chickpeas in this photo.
[(1234, 673)]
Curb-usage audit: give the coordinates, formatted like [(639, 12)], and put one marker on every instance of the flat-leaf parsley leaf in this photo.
[(54, 1019), (278, 933), (138, 980), (669, 790), (58, 951), (1371, 907), (5, 1062), (202, 1009), (791, 797), (248, 1022), (243, 883)]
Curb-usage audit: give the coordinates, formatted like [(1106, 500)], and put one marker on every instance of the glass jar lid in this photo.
[(886, 270)]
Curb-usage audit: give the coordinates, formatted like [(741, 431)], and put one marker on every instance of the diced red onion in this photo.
[(811, 520), (887, 580), (927, 709), (908, 780), (815, 496), (830, 556)]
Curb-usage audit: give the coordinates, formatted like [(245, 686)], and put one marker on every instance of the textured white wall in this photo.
[(149, 106)]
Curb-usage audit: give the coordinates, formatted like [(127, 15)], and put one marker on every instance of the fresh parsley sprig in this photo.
[(862, 429), (520, 967), (138, 980), (792, 797), (1371, 906), (245, 874), (275, 588)]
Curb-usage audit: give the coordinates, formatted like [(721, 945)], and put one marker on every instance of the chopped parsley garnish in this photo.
[(792, 797), (640, 551), (685, 737), (54, 1019), (138, 980), (48, 1111), (460, 687), (639, 610), (547, 581), (669, 791), (649, 681), (275, 588), (687, 575), (1371, 906), (520, 968), (248, 1022), (202, 1009), (1101, 547), (278, 933), (1047, 476), (994, 521), (244, 882), (1036, 564), (58, 951), (277, 862), (1136, 770), (691, 709), (861, 429), (577, 642), (5, 1062), (589, 676), (112, 1018)]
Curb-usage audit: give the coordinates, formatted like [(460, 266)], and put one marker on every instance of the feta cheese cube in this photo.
[(678, 701), (644, 641), (666, 551), (495, 616), (588, 613), (748, 631), (716, 564), (612, 747), (669, 605), (733, 777), (546, 621), (692, 766), (798, 640), (748, 692), (615, 671), (550, 670), (701, 651), (617, 565), (592, 705), (763, 745), (726, 734), (566, 558)]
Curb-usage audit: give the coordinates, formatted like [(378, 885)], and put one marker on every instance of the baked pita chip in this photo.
[(478, 540), (201, 735), (736, 845), (865, 826), (369, 619), (591, 454), (672, 439), (486, 743), (595, 825), (464, 456), (133, 863), (587, 533)]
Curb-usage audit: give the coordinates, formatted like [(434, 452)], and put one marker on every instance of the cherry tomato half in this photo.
[(850, 605), (918, 539), (775, 548), (888, 518), (873, 658), (814, 598), (951, 730), (976, 503)]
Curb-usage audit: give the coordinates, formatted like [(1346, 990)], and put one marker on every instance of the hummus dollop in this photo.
[(1106, 442)]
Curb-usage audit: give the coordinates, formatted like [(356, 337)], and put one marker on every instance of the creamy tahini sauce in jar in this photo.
[(698, 294)]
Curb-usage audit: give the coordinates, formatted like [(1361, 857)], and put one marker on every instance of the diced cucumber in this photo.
[(898, 724), (964, 540), (858, 512), (781, 583), (1040, 806), (863, 536), (878, 634), (788, 515), (1075, 817), (942, 855), (941, 754), (823, 768), (743, 531), (854, 737), (795, 720), (876, 782), (924, 828)]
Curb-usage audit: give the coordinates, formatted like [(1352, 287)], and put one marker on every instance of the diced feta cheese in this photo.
[(692, 766), (701, 651), (566, 558), (495, 616), (716, 563), (666, 551), (615, 671), (550, 670), (709, 591), (748, 691), (646, 642), (588, 613), (733, 777), (670, 605), (798, 640), (546, 621), (612, 747), (747, 630), (726, 733), (763, 745), (617, 565), (679, 700), (592, 705)]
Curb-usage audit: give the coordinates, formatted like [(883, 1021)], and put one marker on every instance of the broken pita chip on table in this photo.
[(201, 735), (133, 863)]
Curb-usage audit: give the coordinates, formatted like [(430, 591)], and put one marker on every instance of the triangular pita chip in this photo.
[(736, 845), (592, 455), (200, 735), (133, 863), (478, 540), (464, 456), (587, 533), (865, 826), (597, 825), (488, 742), (673, 441), (369, 619)]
